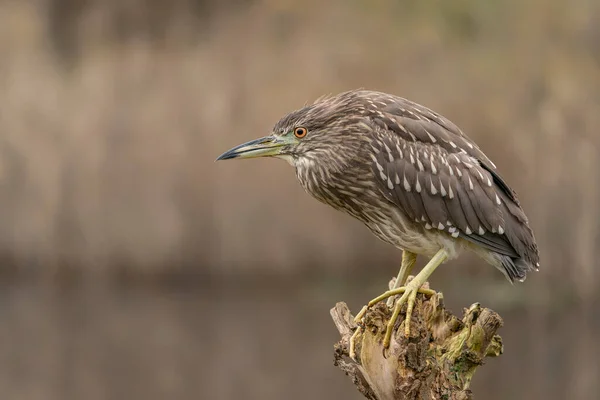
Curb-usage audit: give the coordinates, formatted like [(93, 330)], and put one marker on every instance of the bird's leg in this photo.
[(408, 262), (409, 294)]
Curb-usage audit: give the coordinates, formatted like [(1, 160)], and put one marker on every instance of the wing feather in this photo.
[(468, 193), (443, 191)]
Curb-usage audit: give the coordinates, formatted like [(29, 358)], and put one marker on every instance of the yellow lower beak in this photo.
[(268, 146)]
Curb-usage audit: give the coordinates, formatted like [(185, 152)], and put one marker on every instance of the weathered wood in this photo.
[(437, 360)]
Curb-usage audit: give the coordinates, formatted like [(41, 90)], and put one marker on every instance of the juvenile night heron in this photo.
[(411, 176)]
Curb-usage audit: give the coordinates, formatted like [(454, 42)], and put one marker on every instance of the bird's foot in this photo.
[(409, 294)]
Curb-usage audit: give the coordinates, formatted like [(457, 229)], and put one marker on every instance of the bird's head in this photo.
[(318, 134)]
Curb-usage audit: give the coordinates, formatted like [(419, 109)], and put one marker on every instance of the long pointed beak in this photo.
[(268, 146)]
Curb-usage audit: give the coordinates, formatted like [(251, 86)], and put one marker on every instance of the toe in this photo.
[(409, 310)]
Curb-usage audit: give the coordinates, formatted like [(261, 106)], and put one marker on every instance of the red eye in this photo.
[(300, 132)]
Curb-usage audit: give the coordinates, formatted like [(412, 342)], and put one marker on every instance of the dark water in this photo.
[(254, 340)]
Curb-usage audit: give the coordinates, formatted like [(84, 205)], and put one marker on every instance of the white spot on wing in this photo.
[(427, 226), (397, 180), (430, 136), (468, 231), (442, 189), (389, 183), (399, 151), (418, 185), (390, 157), (470, 183), (498, 200), (481, 230), (420, 165), (440, 226), (433, 189), (433, 169), (450, 193), (455, 234), (452, 144), (406, 184), (379, 166), (451, 229), (500, 230)]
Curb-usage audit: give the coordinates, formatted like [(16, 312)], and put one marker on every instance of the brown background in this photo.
[(134, 267)]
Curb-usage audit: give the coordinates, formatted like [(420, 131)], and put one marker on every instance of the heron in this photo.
[(412, 176)]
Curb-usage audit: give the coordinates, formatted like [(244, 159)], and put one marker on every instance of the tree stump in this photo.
[(437, 360)]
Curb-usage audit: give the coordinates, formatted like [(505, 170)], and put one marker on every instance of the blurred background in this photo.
[(135, 267)]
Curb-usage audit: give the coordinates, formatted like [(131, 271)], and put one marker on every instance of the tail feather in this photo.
[(516, 268), (517, 231)]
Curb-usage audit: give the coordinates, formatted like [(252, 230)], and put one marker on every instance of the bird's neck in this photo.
[(335, 180)]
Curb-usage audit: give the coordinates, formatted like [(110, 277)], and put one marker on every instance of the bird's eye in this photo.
[(300, 132)]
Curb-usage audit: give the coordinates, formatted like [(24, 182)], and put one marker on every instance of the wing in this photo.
[(449, 192), (440, 178), (416, 123)]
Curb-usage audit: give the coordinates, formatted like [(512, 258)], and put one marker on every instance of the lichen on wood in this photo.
[(436, 361)]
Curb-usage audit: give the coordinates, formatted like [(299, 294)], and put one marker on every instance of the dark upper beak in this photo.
[(268, 146)]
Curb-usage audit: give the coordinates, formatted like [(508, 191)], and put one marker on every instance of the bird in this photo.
[(411, 176)]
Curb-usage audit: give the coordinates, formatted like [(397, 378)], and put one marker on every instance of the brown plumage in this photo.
[(441, 179), (410, 175), (373, 155)]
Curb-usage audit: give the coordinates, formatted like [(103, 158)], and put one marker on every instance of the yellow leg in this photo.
[(361, 314), (409, 295), (353, 338), (408, 262)]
